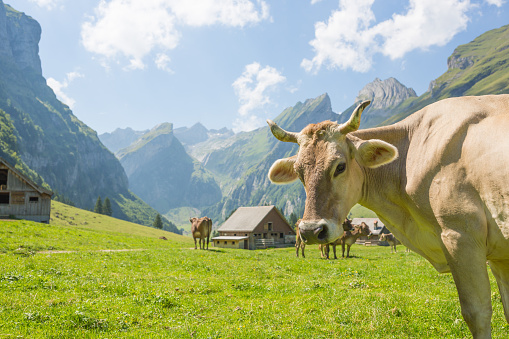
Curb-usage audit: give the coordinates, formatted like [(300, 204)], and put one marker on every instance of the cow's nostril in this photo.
[(317, 230), (322, 233)]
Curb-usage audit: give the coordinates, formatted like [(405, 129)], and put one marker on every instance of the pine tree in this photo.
[(158, 222), (98, 206), (107, 207)]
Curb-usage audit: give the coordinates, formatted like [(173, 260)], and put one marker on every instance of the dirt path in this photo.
[(122, 250)]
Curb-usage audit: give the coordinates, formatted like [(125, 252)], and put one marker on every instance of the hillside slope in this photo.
[(43, 138)]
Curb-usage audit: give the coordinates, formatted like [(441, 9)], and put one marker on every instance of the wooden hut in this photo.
[(255, 227), (20, 198)]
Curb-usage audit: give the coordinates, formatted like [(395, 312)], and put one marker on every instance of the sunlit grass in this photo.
[(168, 290)]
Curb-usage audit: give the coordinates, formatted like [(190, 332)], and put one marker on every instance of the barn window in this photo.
[(33, 199), (4, 198), (233, 242), (3, 177), (281, 235), (270, 226), (226, 242)]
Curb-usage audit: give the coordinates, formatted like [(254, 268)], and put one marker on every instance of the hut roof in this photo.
[(247, 218), (36, 187)]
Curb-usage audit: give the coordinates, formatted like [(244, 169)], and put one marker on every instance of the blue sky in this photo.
[(235, 63)]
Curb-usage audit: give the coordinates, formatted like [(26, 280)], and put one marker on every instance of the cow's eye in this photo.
[(340, 169)]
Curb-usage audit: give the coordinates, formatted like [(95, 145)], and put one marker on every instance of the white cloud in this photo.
[(162, 62), (253, 90), (135, 28), (350, 38), (58, 87), (315, 1), (497, 3)]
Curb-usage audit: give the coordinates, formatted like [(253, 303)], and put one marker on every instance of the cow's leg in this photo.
[(194, 243), (342, 249), (348, 251), (334, 250), (466, 256), (208, 239), (395, 251), (303, 247), (297, 247), (500, 269)]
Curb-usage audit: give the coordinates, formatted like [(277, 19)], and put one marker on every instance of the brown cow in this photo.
[(347, 227), (201, 228), (391, 239), (349, 238), (426, 178)]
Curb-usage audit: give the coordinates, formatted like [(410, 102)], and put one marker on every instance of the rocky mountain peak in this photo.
[(384, 94), (22, 34)]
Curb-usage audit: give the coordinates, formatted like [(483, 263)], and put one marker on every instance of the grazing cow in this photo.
[(201, 228), (347, 228), (391, 239), (427, 179), (299, 244), (349, 238)]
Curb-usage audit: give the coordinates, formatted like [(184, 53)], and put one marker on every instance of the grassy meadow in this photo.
[(60, 281)]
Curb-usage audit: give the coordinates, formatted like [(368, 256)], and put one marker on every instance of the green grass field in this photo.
[(166, 289)]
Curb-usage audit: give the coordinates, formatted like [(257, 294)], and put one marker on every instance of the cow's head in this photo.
[(330, 164)]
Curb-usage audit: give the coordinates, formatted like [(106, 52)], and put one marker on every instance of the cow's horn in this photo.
[(355, 120), (281, 134)]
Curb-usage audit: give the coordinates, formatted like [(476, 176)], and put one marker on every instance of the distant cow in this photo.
[(391, 239), (201, 228), (438, 180), (299, 244), (349, 233)]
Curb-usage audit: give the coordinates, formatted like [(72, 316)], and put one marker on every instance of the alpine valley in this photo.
[(195, 171), (239, 163)]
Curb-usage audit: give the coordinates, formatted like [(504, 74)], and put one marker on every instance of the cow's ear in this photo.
[(282, 171), (375, 153)]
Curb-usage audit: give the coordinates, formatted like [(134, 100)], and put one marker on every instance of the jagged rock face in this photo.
[(52, 141), (22, 34), (384, 94), (457, 61)]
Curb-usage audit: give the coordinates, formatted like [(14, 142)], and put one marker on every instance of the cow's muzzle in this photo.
[(314, 232)]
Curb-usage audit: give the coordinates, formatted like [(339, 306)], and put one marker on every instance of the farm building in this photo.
[(254, 227), (20, 198), (376, 227)]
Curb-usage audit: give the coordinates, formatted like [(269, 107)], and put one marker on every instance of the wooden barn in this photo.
[(255, 227), (20, 198)]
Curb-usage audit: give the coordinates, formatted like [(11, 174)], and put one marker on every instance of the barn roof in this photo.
[(247, 218), (36, 187)]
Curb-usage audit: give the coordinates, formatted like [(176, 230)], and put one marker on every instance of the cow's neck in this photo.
[(383, 187)]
